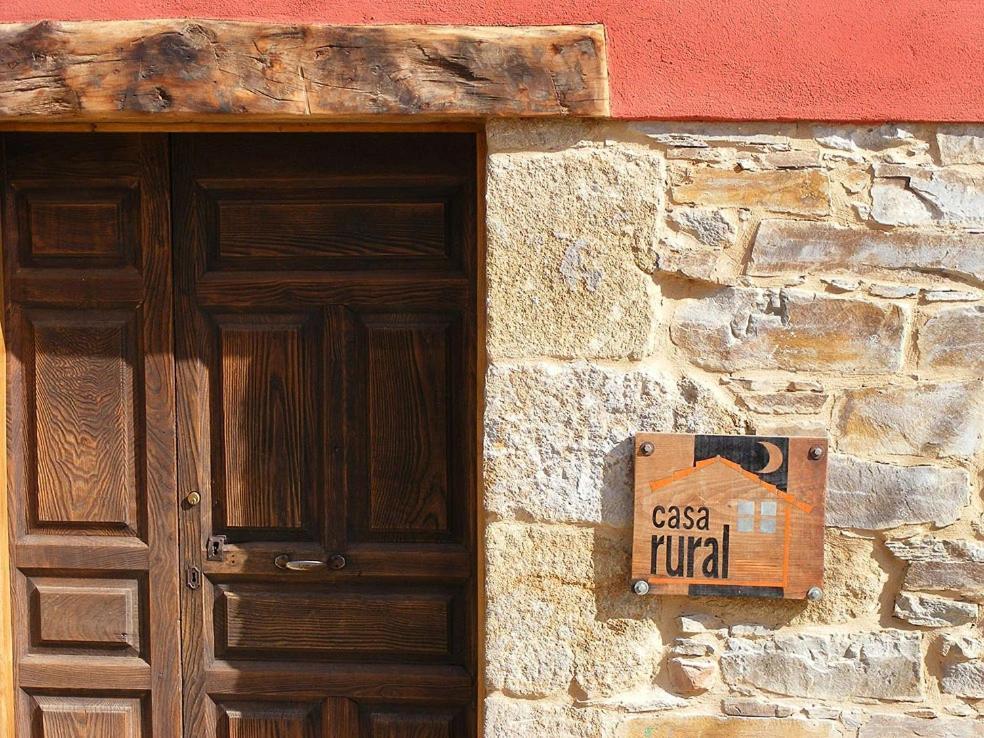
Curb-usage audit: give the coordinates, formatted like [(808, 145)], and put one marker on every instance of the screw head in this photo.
[(816, 453), (646, 448), (641, 587), (193, 499), (814, 594)]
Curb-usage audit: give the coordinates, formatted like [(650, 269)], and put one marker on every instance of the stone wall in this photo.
[(775, 279)]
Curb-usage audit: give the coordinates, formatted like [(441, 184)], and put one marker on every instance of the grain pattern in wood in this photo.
[(71, 674), (85, 225), (260, 622), (267, 422), (256, 632), (112, 70), (409, 724), (83, 410), (407, 379), (363, 682), (91, 420), (88, 717), (101, 614), (270, 720), (320, 228)]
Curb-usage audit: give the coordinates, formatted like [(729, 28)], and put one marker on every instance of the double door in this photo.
[(241, 434)]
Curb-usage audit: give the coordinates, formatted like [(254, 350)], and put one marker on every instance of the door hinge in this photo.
[(193, 577), (215, 548)]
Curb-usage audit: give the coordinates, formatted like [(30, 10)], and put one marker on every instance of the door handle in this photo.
[(335, 561)]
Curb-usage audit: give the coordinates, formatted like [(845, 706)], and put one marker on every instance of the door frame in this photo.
[(559, 71), (8, 688)]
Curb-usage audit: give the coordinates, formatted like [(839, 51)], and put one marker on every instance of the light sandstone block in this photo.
[(945, 196), (512, 718), (750, 707), (903, 726), (563, 231), (709, 227), (875, 496), (953, 339), (616, 657), (936, 565), (934, 612), (961, 144), (558, 437), (945, 419), (692, 675), (745, 328), (532, 635), (798, 247), (882, 665), (715, 726), (964, 679), (783, 191)]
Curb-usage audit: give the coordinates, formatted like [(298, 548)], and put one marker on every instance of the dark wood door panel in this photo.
[(326, 415), (91, 449), (337, 623)]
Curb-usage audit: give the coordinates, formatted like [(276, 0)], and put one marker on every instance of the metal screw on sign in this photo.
[(641, 587), (646, 448), (816, 453)]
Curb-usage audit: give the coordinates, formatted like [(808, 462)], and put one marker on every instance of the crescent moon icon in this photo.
[(775, 457)]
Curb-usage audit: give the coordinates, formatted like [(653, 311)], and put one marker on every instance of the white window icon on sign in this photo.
[(746, 516), (768, 509)]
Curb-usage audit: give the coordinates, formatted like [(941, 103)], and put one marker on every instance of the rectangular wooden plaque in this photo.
[(729, 515)]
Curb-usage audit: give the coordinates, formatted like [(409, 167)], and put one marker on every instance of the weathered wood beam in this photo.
[(119, 69)]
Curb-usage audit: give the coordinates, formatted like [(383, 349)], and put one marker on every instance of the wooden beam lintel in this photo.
[(189, 70)]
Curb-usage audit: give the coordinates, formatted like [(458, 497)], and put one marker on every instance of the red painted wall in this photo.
[(853, 60)]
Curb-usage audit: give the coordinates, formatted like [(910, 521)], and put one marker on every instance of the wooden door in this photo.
[(91, 440), (325, 346)]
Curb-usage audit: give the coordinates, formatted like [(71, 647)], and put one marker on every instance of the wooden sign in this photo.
[(729, 515)]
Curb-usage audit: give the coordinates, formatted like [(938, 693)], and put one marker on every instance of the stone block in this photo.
[(715, 726), (709, 227), (512, 718), (784, 403), (945, 419), (801, 247), (881, 665), (692, 675), (937, 565), (932, 195), (963, 679), (763, 136), (746, 328), (876, 496), (615, 657), (524, 553), (558, 438), (903, 726), (961, 144), (952, 339), (532, 636), (805, 192), (934, 612), (750, 707), (892, 203), (563, 230)]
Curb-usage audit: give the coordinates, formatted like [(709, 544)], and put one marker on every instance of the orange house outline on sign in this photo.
[(745, 516)]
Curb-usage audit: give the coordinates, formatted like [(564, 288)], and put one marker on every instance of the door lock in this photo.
[(215, 548)]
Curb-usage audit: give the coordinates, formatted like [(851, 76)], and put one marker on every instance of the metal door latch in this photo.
[(215, 548)]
